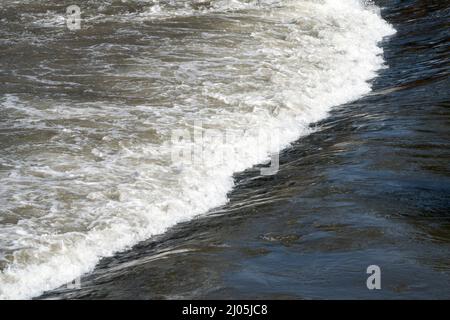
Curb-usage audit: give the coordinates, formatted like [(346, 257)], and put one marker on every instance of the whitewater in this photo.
[(94, 172)]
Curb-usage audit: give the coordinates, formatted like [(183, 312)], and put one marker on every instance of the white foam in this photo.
[(315, 55)]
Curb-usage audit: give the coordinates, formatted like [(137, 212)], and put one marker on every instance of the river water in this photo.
[(354, 94)]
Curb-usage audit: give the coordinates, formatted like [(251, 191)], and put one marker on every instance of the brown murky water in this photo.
[(87, 170)]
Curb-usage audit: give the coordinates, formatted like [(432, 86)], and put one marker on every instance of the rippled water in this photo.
[(87, 168)]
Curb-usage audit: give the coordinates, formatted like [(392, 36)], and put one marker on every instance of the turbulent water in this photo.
[(87, 142)]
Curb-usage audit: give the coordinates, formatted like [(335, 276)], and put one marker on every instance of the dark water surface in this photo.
[(371, 186)]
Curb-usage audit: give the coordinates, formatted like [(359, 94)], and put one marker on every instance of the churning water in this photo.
[(88, 117)]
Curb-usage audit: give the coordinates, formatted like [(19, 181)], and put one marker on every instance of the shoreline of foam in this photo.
[(346, 80)]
